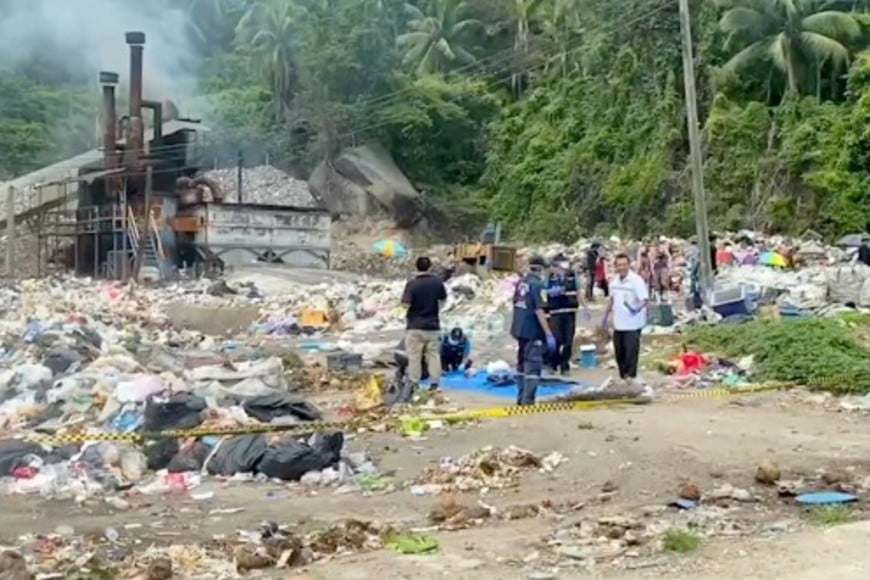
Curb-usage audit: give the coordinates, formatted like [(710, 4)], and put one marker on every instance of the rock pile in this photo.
[(263, 184)]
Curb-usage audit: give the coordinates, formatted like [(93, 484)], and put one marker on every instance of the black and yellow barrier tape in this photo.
[(520, 410), (719, 393), (358, 424), (142, 436)]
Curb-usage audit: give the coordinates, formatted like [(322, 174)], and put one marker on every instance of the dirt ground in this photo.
[(643, 452)]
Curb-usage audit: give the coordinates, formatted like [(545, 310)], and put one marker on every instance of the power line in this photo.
[(509, 53), (385, 101)]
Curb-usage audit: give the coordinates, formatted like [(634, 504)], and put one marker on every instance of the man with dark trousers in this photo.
[(531, 330), (592, 255), (629, 298), (562, 305)]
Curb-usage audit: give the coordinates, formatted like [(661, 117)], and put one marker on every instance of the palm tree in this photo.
[(266, 32), (434, 42), (522, 14), (211, 20), (562, 25), (795, 35)]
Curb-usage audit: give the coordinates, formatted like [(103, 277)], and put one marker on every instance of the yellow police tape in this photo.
[(309, 427)]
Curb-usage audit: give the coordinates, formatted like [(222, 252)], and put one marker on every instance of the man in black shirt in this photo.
[(423, 296)]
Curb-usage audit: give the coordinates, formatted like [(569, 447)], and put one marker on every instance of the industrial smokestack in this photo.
[(110, 137), (136, 131), (109, 80)]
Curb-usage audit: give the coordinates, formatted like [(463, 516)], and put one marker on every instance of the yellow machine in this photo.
[(487, 254)]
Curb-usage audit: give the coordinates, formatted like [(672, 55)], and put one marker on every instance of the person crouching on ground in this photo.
[(629, 297), (455, 351)]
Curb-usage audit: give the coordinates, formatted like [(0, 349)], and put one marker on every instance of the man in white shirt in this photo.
[(629, 297)]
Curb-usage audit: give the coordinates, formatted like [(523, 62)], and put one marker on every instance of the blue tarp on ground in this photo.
[(477, 383)]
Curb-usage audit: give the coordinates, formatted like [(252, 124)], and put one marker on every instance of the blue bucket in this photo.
[(588, 356)]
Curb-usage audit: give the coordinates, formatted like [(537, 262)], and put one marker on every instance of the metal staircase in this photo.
[(145, 237)]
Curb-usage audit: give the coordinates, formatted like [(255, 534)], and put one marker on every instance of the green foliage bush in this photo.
[(821, 353)]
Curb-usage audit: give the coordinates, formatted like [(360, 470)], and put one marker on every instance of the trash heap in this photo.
[(263, 184), (486, 468), (272, 546), (75, 366)]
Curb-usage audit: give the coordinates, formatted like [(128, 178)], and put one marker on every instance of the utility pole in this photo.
[(695, 154), (240, 161)]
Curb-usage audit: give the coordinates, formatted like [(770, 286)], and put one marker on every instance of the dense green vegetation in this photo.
[(821, 353), (520, 109)]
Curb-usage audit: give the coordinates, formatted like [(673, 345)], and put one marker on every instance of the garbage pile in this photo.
[(349, 256), (810, 289), (263, 184), (486, 468), (272, 546), (72, 369)]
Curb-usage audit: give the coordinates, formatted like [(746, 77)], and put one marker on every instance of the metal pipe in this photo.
[(110, 137), (136, 134), (157, 136)]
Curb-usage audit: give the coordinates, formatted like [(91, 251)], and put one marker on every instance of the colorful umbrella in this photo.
[(390, 249), (772, 259)]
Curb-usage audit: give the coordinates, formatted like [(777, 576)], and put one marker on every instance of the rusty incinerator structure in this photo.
[(147, 211)]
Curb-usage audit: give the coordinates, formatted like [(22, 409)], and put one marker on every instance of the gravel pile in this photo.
[(263, 184)]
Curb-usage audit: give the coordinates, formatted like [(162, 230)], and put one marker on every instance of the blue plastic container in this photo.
[(730, 302), (588, 356)]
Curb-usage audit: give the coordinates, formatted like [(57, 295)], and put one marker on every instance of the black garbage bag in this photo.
[(60, 359), (265, 408), (177, 411), (189, 459), (240, 454), (13, 450), (160, 453), (291, 459)]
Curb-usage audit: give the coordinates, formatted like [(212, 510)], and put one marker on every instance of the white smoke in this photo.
[(87, 36)]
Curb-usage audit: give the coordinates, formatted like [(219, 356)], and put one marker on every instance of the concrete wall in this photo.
[(239, 233)]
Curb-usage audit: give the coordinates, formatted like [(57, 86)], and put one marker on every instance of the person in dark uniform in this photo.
[(592, 255), (455, 351), (562, 305), (531, 330)]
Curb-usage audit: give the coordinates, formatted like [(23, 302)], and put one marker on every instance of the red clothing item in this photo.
[(724, 257), (601, 270)]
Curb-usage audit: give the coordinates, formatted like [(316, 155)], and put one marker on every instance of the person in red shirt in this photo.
[(725, 255)]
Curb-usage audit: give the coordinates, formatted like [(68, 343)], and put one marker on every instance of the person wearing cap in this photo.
[(531, 330), (562, 305), (455, 351)]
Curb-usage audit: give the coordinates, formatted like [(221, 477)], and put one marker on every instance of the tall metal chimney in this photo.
[(109, 80), (110, 137), (136, 129)]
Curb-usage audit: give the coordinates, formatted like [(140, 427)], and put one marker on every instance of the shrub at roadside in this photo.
[(823, 354)]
